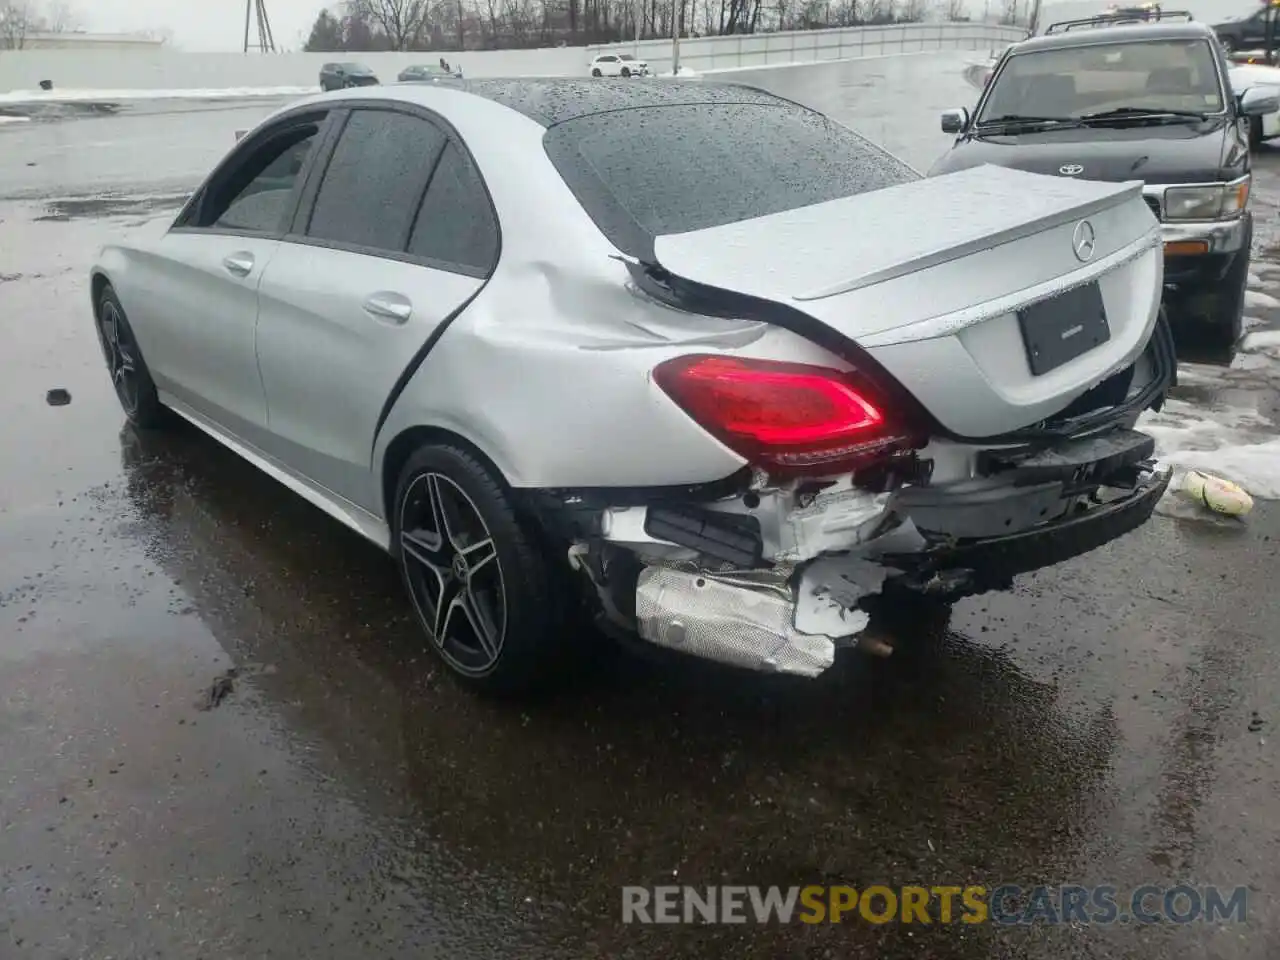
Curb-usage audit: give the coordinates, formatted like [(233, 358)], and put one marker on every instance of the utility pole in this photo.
[(638, 6), (1035, 18), (677, 8), (266, 42)]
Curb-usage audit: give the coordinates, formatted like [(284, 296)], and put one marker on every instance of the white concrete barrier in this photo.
[(175, 70), (810, 46)]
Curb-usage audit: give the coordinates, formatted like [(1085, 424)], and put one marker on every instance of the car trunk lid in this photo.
[(968, 287)]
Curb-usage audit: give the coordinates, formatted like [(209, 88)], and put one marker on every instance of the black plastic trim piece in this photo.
[(730, 538)]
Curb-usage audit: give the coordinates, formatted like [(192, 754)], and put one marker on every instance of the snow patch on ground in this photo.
[(1236, 444), (113, 96), (685, 73), (1256, 298), (14, 120)]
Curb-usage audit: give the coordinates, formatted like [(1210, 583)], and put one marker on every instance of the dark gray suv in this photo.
[(336, 76)]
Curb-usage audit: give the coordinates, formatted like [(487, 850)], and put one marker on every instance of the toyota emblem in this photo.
[(1084, 241), (1071, 169)]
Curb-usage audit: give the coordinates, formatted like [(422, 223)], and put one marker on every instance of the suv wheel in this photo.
[(626, 71), (486, 599), (595, 72)]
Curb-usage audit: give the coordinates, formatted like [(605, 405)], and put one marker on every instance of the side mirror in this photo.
[(953, 121), (1256, 101)]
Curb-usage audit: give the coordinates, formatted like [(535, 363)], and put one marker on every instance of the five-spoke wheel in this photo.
[(453, 572), (488, 602), (129, 374)]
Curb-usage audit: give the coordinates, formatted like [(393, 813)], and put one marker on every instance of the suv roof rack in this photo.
[(1124, 15)]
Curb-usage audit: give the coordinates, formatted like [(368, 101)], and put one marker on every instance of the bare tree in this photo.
[(402, 22), (17, 19), (59, 17), (955, 10), (1010, 13)]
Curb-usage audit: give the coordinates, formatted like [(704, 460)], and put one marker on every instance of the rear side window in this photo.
[(375, 180), (456, 223), (645, 172)]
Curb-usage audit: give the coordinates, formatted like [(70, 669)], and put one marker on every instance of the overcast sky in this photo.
[(219, 24), (200, 24)]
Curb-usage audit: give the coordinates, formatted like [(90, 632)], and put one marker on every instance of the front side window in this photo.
[(254, 196), (375, 180), (1075, 82), (649, 171)]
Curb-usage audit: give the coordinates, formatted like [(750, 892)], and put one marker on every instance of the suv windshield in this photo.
[(1072, 82), (648, 171)]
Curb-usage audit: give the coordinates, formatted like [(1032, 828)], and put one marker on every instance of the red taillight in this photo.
[(779, 415)]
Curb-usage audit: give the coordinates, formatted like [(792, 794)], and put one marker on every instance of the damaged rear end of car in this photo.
[(991, 339)]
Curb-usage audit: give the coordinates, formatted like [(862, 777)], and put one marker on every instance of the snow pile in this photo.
[(1236, 444), (685, 73), (4, 119), (115, 96)]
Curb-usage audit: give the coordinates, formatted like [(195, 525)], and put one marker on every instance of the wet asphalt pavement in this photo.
[(220, 736)]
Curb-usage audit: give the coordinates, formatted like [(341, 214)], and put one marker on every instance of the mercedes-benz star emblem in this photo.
[(1071, 169), (1083, 241)]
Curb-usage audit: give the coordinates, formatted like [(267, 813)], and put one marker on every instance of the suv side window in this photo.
[(456, 224), (375, 179), (254, 195)]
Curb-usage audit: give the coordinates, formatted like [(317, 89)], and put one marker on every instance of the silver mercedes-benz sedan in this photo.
[(688, 359)]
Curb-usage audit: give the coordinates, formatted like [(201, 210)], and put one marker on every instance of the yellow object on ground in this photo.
[(1220, 496)]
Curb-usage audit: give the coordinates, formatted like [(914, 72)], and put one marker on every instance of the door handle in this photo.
[(239, 263), (389, 306)]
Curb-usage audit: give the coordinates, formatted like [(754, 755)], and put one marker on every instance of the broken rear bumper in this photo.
[(792, 620), (967, 567)]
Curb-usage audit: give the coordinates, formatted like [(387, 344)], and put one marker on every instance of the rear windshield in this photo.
[(648, 171), (1073, 81)]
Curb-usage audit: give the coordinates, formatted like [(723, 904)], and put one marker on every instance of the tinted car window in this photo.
[(1074, 81), (256, 196), (456, 223), (650, 171), (375, 180)]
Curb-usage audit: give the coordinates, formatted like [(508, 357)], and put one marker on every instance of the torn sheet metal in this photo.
[(702, 615)]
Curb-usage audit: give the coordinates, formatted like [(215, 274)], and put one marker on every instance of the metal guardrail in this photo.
[(815, 46)]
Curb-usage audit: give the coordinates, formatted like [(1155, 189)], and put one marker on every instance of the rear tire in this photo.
[(484, 595), (130, 377)]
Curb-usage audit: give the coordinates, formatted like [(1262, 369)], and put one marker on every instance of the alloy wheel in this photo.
[(122, 356), (453, 572)]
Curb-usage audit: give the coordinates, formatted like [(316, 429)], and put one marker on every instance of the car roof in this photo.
[(1119, 33), (553, 100)]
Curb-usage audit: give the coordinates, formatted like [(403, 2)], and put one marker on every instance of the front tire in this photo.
[(595, 72), (130, 377), (1226, 303), (626, 73), (481, 589)]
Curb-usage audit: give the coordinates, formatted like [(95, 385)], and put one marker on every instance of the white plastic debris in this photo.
[(1220, 496)]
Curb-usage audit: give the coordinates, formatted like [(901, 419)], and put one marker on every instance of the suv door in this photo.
[(399, 238), (198, 334)]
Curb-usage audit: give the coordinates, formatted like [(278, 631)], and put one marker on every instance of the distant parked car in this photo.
[(618, 65), (336, 76), (428, 71), (1245, 33)]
